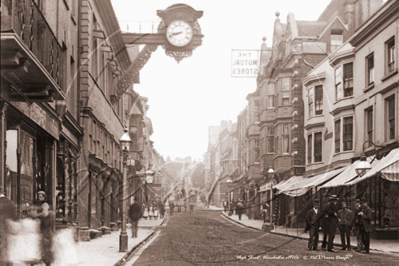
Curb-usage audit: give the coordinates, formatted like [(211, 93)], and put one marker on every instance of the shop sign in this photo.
[(40, 117), (244, 63), (268, 185)]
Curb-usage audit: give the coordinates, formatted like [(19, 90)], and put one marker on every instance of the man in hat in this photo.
[(357, 208), (345, 221), (240, 209), (313, 223), (365, 224), (331, 221), (134, 215)]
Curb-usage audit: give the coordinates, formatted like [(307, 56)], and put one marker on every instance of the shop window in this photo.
[(337, 135), (317, 147), (390, 52), (348, 134), (26, 146), (11, 165), (370, 69), (369, 125), (310, 149), (319, 100), (348, 80), (390, 116)]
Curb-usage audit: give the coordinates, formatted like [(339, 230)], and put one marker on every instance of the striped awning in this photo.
[(302, 186), (388, 162), (347, 175), (284, 184), (391, 172)]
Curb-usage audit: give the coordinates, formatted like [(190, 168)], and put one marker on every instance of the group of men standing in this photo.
[(329, 217)]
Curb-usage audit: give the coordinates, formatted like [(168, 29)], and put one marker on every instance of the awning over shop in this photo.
[(388, 166), (302, 186), (284, 184), (347, 175)]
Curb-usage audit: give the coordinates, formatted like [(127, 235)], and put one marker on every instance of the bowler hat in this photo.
[(316, 201), (363, 200), (357, 200), (41, 192), (333, 197), (343, 204)]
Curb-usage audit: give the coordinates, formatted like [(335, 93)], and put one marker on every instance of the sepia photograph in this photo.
[(225, 132)]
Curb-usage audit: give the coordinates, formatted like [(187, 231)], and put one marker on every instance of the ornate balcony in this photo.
[(32, 60)]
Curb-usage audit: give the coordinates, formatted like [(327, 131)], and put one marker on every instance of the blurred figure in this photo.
[(331, 222), (150, 212), (65, 248), (313, 224), (240, 208), (134, 215), (42, 213), (265, 206), (171, 207), (7, 213), (225, 205), (145, 212), (345, 220)]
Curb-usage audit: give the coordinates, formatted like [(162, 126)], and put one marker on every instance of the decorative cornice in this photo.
[(335, 58), (343, 108), (387, 11), (312, 78), (314, 125)]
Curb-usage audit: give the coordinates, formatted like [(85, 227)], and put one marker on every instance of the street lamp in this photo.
[(125, 143), (363, 166), (270, 172)]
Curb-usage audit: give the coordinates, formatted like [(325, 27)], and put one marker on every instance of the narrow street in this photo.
[(205, 237)]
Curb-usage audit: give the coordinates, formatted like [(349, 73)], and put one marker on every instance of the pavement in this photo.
[(104, 251), (385, 245)]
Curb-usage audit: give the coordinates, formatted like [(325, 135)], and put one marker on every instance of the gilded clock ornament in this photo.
[(179, 33)]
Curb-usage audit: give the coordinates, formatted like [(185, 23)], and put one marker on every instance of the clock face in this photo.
[(179, 33)]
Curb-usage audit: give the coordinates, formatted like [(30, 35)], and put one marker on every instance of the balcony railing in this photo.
[(24, 18)]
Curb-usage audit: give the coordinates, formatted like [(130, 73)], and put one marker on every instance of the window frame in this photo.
[(390, 53), (285, 137), (347, 91), (335, 43), (337, 136), (311, 101), (270, 139), (318, 147), (310, 148), (318, 102), (346, 134), (369, 130), (389, 119), (370, 77), (339, 94)]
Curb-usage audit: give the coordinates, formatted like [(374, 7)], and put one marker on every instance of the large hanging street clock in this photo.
[(179, 33), (180, 26)]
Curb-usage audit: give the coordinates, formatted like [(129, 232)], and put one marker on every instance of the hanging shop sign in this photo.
[(244, 63)]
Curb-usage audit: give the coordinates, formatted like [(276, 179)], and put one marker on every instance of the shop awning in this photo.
[(302, 186), (284, 184), (388, 166)]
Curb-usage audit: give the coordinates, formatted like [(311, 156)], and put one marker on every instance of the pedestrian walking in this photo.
[(313, 224), (345, 222), (145, 212), (42, 212), (225, 205), (134, 215), (150, 212), (161, 208), (156, 212), (359, 244), (265, 207), (7, 213), (240, 209), (331, 222), (171, 207), (365, 225)]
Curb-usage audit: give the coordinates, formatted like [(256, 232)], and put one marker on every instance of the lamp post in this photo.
[(125, 143), (229, 181), (270, 174), (363, 166)]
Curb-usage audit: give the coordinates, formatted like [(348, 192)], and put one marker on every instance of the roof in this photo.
[(310, 28)]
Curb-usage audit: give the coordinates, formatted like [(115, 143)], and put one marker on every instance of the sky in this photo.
[(186, 98)]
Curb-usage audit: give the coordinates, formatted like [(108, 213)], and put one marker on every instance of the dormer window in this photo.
[(337, 39)]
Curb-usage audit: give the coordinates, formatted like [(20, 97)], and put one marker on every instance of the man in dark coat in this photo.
[(357, 209), (240, 209), (134, 215), (171, 207), (331, 221), (365, 224), (345, 221), (313, 223), (7, 212)]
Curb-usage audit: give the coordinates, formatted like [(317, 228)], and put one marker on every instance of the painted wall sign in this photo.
[(244, 63)]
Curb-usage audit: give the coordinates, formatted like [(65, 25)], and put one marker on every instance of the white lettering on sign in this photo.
[(244, 63)]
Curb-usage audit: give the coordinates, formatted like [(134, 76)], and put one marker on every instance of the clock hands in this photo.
[(177, 33)]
